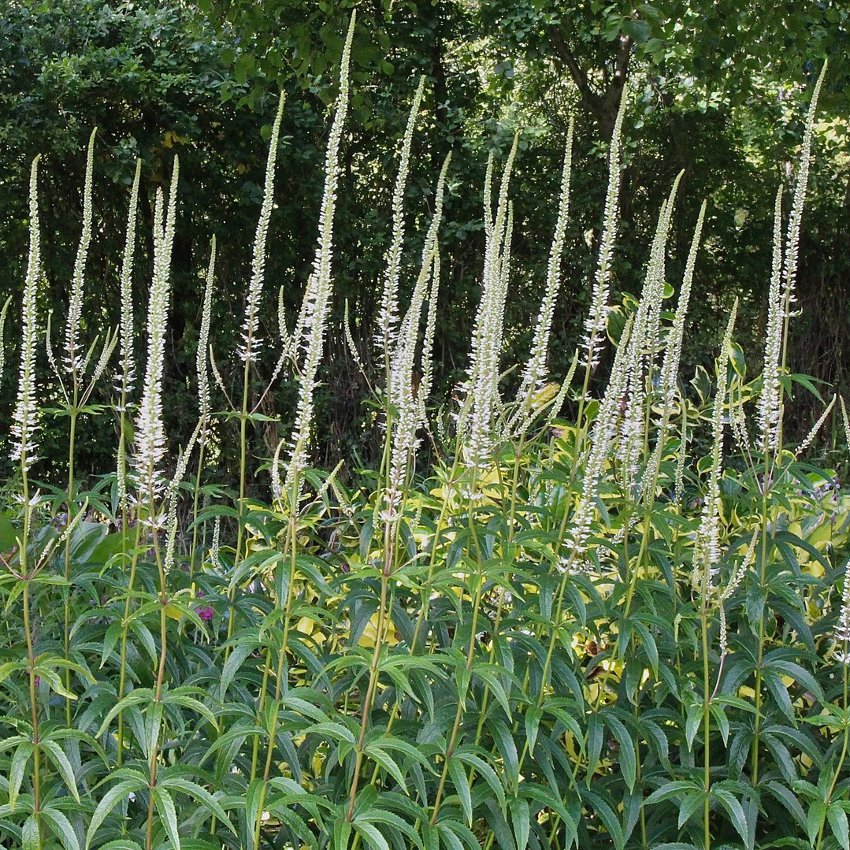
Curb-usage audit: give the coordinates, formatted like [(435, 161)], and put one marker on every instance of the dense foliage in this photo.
[(628, 627)]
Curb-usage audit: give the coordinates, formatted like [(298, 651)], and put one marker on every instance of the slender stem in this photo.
[(67, 589), (383, 614), (843, 755), (243, 455), (706, 718), (31, 657), (196, 497), (153, 761), (125, 627), (470, 655), (754, 757)]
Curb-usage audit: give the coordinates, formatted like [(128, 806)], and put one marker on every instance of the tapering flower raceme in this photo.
[(427, 363), (3, 313), (407, 408), (320, 287), (738, 423), (173, 496), (561, 396), (127, 375), (389, 313), (601, 442), (813, 432), (251, 343), (482, 386), (73, 359), (795, 219), (643, 344), (26, 416), (202, 356), (598, 317), (673, 350), (769, 411), (734, 582), (845, 419), (679, 484), (535, 368), (285, 336), (401, 373), (842, 627), (349, 339), (150, 431), (215, 545), (672, 358), (707, 544)]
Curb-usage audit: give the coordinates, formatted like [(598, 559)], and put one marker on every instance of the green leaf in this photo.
[(487, 774), (627, 754), (815, 818), (520, 821), (837, 818), (168, 814), (61, 827), (199, 795), (736, 812), (63, 765), (30, 839), (371, 835), (110, 800), (461, 783), (386, 761), (16, 770)]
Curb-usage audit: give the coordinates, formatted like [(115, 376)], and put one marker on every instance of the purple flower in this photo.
[(205, 613)]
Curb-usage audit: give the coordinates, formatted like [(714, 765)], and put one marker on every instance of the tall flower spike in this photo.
[(388, 316), (174, 497), (250, 342), (598, 316), (796, 217), (845, 420), (535, 367), (672, 357), (73, 358), (3, 313), (26, 415), (427, 366), (769, 400), (318, 295), (809, 439), (673, 351), (407, 417), (202, 356), (482, 394), (679, 486), (150, 430), (128, 366), (643, 344), (842, 628), (707, 545), (601, 441), (409, 329), (734, 581)]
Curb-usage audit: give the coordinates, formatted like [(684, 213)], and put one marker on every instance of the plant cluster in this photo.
[(621, 629)]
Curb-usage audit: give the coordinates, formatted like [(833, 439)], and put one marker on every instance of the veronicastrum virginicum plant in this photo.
[(614, 621)]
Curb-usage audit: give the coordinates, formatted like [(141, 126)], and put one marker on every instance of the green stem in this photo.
[(840, 764), (196, 497), (67, 589), (153, 761), (125, 626)]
